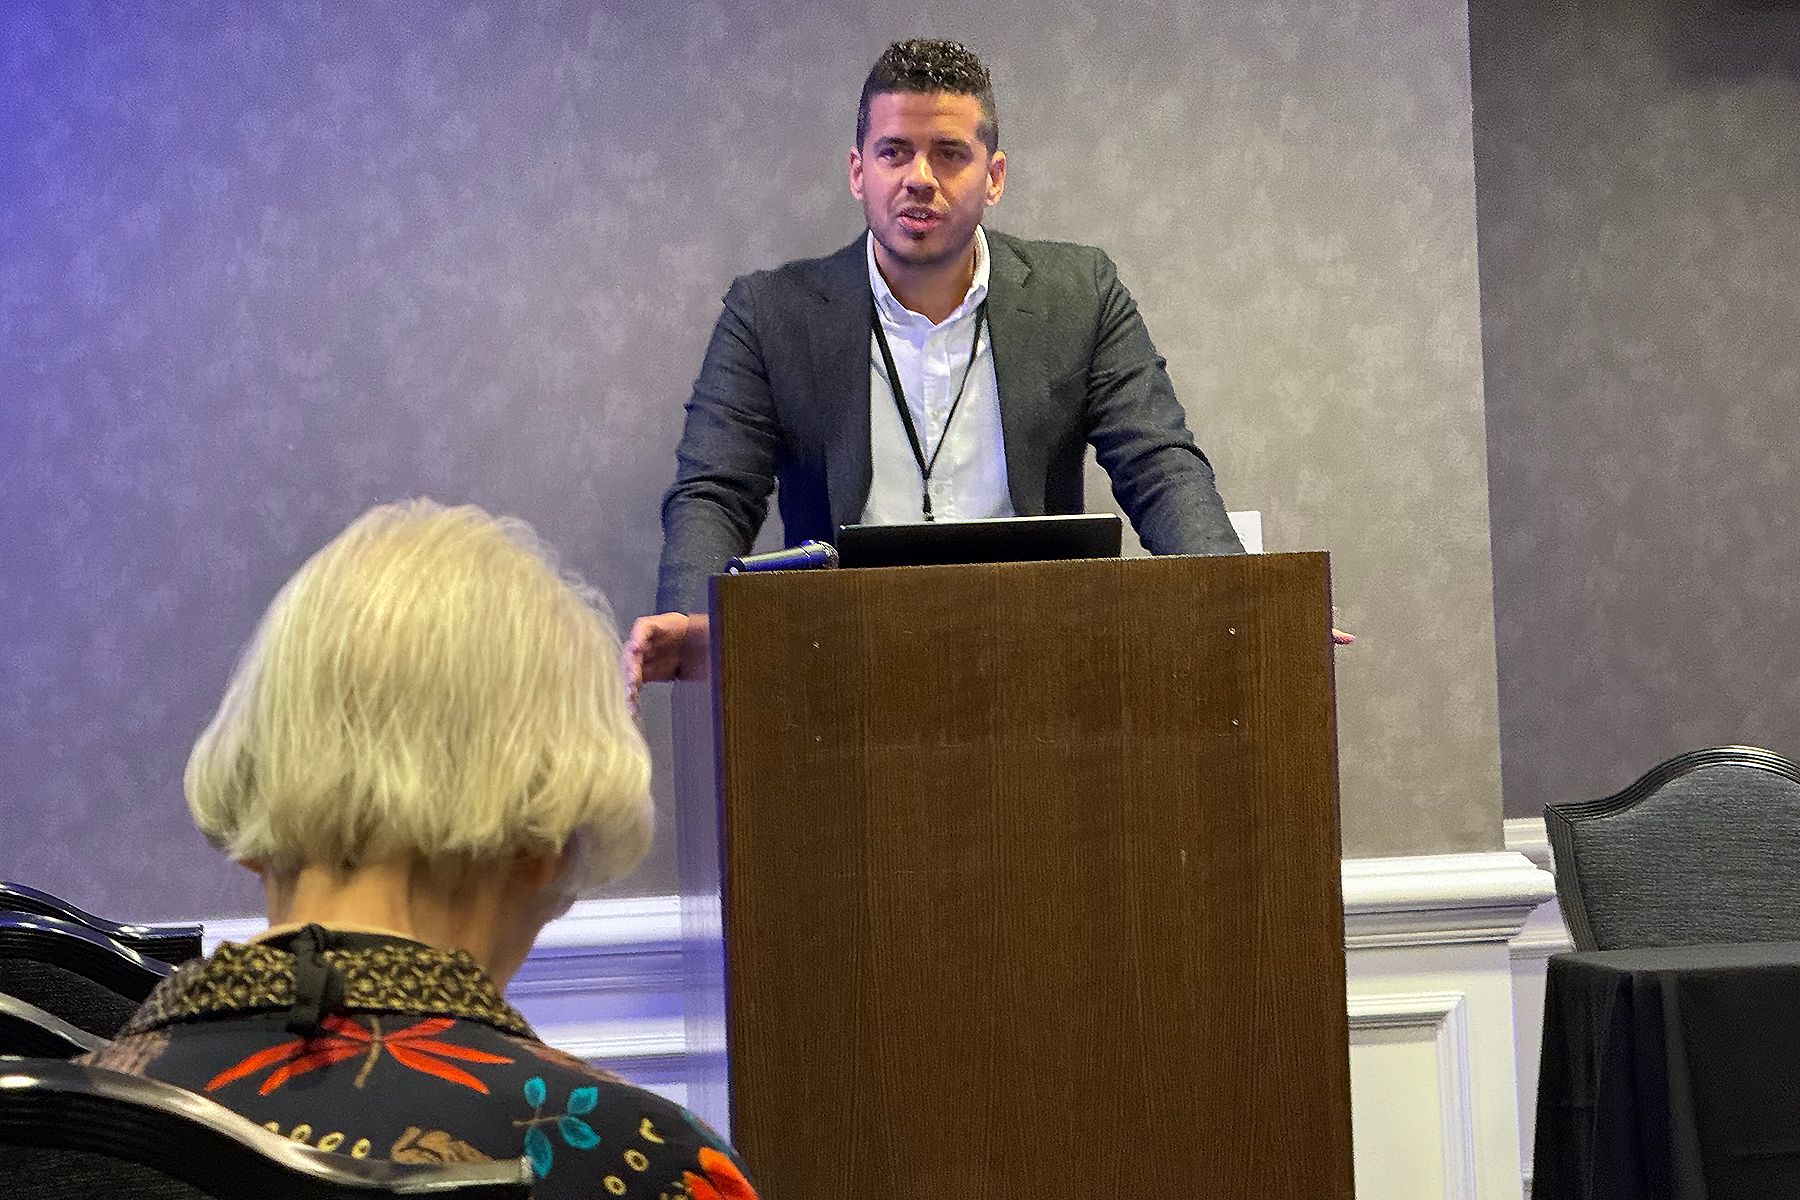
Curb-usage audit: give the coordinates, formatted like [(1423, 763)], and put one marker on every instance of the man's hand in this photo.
[(1340, 638), (653, 652)]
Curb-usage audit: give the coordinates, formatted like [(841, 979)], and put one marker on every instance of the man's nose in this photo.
[(919, 177)]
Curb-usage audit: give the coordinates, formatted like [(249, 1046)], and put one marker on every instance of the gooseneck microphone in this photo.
[(804, 557)]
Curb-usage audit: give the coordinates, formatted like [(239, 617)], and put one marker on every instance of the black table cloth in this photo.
[(1671, 1073)]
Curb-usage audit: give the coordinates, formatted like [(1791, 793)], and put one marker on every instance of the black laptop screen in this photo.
[(998, 539)]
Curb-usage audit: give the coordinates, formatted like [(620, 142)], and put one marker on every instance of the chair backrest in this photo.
[(70, 971), (1703, 848), (29, 1031), (71, 1131), (173, 944)]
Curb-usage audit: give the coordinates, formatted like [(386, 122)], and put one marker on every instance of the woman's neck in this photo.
[(487, 914), (274, 932)]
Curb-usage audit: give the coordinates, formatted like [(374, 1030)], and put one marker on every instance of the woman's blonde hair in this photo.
[(429, 686)]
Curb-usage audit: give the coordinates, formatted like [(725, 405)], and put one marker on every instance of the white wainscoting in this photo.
[(1421, 1038), (1544, 934), (1437, 964), (1434, 1084)]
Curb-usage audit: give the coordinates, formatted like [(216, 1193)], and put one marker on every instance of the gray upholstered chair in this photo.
[(1704, 848)]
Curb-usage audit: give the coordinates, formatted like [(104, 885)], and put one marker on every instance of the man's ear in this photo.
[(996, 177), (855, 173)]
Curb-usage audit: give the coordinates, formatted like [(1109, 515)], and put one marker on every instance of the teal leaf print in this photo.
[(575, 1131), (537, 1146), (578, 1133)]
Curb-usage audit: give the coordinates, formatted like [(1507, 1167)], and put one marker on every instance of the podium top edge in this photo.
[(1123, 562)]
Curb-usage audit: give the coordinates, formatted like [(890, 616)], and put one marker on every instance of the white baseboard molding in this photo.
[(1440, 899)]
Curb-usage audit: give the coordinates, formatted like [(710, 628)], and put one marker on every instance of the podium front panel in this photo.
[(1031, 880)]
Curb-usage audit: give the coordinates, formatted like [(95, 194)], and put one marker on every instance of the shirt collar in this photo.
[(403, 977), (897, 313)]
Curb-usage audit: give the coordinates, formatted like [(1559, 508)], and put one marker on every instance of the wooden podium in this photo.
[(1030, 881)]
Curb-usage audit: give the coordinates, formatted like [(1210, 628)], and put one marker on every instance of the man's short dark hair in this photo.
[(923, 66)]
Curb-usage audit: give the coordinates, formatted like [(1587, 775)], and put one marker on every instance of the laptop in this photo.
[(994, 539)]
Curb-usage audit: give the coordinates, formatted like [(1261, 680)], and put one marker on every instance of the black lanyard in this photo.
[(912, 433)]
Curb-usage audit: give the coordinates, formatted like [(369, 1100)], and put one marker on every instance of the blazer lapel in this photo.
[(1019, 371), (840, 361)]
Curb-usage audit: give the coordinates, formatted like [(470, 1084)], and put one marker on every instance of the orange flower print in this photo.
[(412, 1047), (723, 1181)]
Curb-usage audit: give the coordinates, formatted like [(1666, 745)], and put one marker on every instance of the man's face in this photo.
[(924, 177)]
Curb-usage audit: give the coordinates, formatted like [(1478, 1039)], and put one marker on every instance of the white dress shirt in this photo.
[(969, 478)]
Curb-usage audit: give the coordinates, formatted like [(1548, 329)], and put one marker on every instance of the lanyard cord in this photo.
[(912, 433)]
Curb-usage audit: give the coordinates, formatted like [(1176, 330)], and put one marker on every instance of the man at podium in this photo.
[(928, 370)]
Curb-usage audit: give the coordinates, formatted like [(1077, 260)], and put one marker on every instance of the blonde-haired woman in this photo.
[(425, 753)]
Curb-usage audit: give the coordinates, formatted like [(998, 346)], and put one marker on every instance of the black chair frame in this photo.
[(26, 1029), (79, 949), (54, 1105), (173, 944)]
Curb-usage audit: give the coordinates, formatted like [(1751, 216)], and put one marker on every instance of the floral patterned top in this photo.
[(409, 1052)]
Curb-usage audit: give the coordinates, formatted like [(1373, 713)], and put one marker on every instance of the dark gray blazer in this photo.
[(783, 396)]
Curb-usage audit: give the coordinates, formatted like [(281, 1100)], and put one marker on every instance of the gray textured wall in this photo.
[(265, 265), (1639, 171)]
